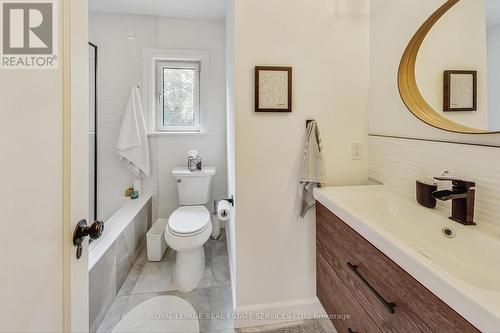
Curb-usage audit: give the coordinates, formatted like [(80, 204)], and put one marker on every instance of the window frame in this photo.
[(152, 107), (160, 66)]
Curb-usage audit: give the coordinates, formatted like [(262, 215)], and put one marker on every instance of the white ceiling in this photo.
[(211, 9), (492, 12)]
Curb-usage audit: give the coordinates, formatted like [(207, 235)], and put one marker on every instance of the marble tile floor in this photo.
[(149, 279), (213, 294)]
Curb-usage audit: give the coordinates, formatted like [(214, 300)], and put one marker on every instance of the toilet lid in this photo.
[(189, 219)]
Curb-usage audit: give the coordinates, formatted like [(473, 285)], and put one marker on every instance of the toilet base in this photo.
[(189, 269), (190, 258)]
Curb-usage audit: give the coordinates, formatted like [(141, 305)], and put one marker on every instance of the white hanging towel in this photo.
[(133, 146), (313, 167)]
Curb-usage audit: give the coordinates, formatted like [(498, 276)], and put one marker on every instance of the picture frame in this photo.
[(273, 89), (460, 90)]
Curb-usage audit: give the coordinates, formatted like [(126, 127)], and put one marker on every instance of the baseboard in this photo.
[(275, 313)]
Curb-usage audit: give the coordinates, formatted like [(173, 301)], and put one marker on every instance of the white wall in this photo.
[(457, 42), (493, 46), (326, 43), (121, 39)]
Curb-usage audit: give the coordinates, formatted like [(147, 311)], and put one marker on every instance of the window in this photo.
[(178, 91), (175, 91)]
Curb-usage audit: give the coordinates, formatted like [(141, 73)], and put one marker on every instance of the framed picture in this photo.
[(460, 90), (273, 89)]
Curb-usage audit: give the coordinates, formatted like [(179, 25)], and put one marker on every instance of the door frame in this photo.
[(95, 109), (73, 18)]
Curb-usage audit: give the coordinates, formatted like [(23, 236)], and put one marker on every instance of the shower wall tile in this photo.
[(397, 163), (120, 40), (150, 184)]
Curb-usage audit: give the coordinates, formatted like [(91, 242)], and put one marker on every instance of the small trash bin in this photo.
[(155, 240)]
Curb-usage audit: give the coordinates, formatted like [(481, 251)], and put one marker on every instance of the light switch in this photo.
[(357, 151)]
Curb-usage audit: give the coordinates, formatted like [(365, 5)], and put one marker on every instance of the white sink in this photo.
[(463, 270)]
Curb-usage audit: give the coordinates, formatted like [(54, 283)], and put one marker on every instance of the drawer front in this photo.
[(337, 300), (376, 281)]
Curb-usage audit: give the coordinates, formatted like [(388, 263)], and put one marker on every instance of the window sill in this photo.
[(202, 133)]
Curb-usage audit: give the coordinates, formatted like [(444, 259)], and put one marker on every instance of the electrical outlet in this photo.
[(357, 151)]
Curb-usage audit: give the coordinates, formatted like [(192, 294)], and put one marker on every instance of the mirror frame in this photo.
[(407, 82)]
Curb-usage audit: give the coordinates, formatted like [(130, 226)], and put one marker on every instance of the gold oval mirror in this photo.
[(449, 74)]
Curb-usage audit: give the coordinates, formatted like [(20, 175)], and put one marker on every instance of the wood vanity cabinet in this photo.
[(356, 279)]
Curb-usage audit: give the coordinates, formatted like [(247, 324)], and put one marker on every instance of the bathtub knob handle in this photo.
[(82, 230)]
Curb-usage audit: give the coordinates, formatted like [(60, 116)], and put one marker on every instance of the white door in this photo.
[(44, 179)]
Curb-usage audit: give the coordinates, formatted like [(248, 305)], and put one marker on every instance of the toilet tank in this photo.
[(193, 187)]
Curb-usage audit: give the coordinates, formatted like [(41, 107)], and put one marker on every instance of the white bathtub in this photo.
[(114, 226)]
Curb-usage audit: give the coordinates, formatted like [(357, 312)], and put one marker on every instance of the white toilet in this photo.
[(190, 226)]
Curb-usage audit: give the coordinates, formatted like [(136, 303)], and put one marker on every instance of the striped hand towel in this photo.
[(313, 167)]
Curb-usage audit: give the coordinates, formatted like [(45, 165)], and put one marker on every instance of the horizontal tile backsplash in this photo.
[(397, 163)]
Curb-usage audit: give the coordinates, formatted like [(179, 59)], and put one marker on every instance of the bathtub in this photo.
[(112, 256)]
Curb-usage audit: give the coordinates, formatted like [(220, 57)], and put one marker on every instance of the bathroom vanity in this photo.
[(388, 264)]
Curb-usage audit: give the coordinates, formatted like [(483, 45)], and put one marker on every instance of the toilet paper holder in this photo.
[(231, 201)]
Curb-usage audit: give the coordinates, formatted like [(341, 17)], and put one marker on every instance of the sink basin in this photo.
[(460, 264), (467, 253)]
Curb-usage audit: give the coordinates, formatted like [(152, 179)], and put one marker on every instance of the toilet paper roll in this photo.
[(223, 210)]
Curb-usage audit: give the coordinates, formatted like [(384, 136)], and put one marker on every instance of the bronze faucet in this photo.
[(462, 196)]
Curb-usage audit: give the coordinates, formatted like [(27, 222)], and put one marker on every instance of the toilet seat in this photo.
[(189, 220)]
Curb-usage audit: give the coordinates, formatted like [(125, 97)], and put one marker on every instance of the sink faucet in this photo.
[(462, 196)]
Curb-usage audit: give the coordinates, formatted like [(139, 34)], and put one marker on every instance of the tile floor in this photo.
[(305, 326), (213, 294)]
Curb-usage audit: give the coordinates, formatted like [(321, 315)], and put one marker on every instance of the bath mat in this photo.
[(160, 314)]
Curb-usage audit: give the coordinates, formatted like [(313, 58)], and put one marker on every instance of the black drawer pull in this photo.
[(388, 305), (349, 330)]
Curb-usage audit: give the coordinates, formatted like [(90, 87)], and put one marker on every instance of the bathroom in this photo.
[(130, 50), (348, 182)]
